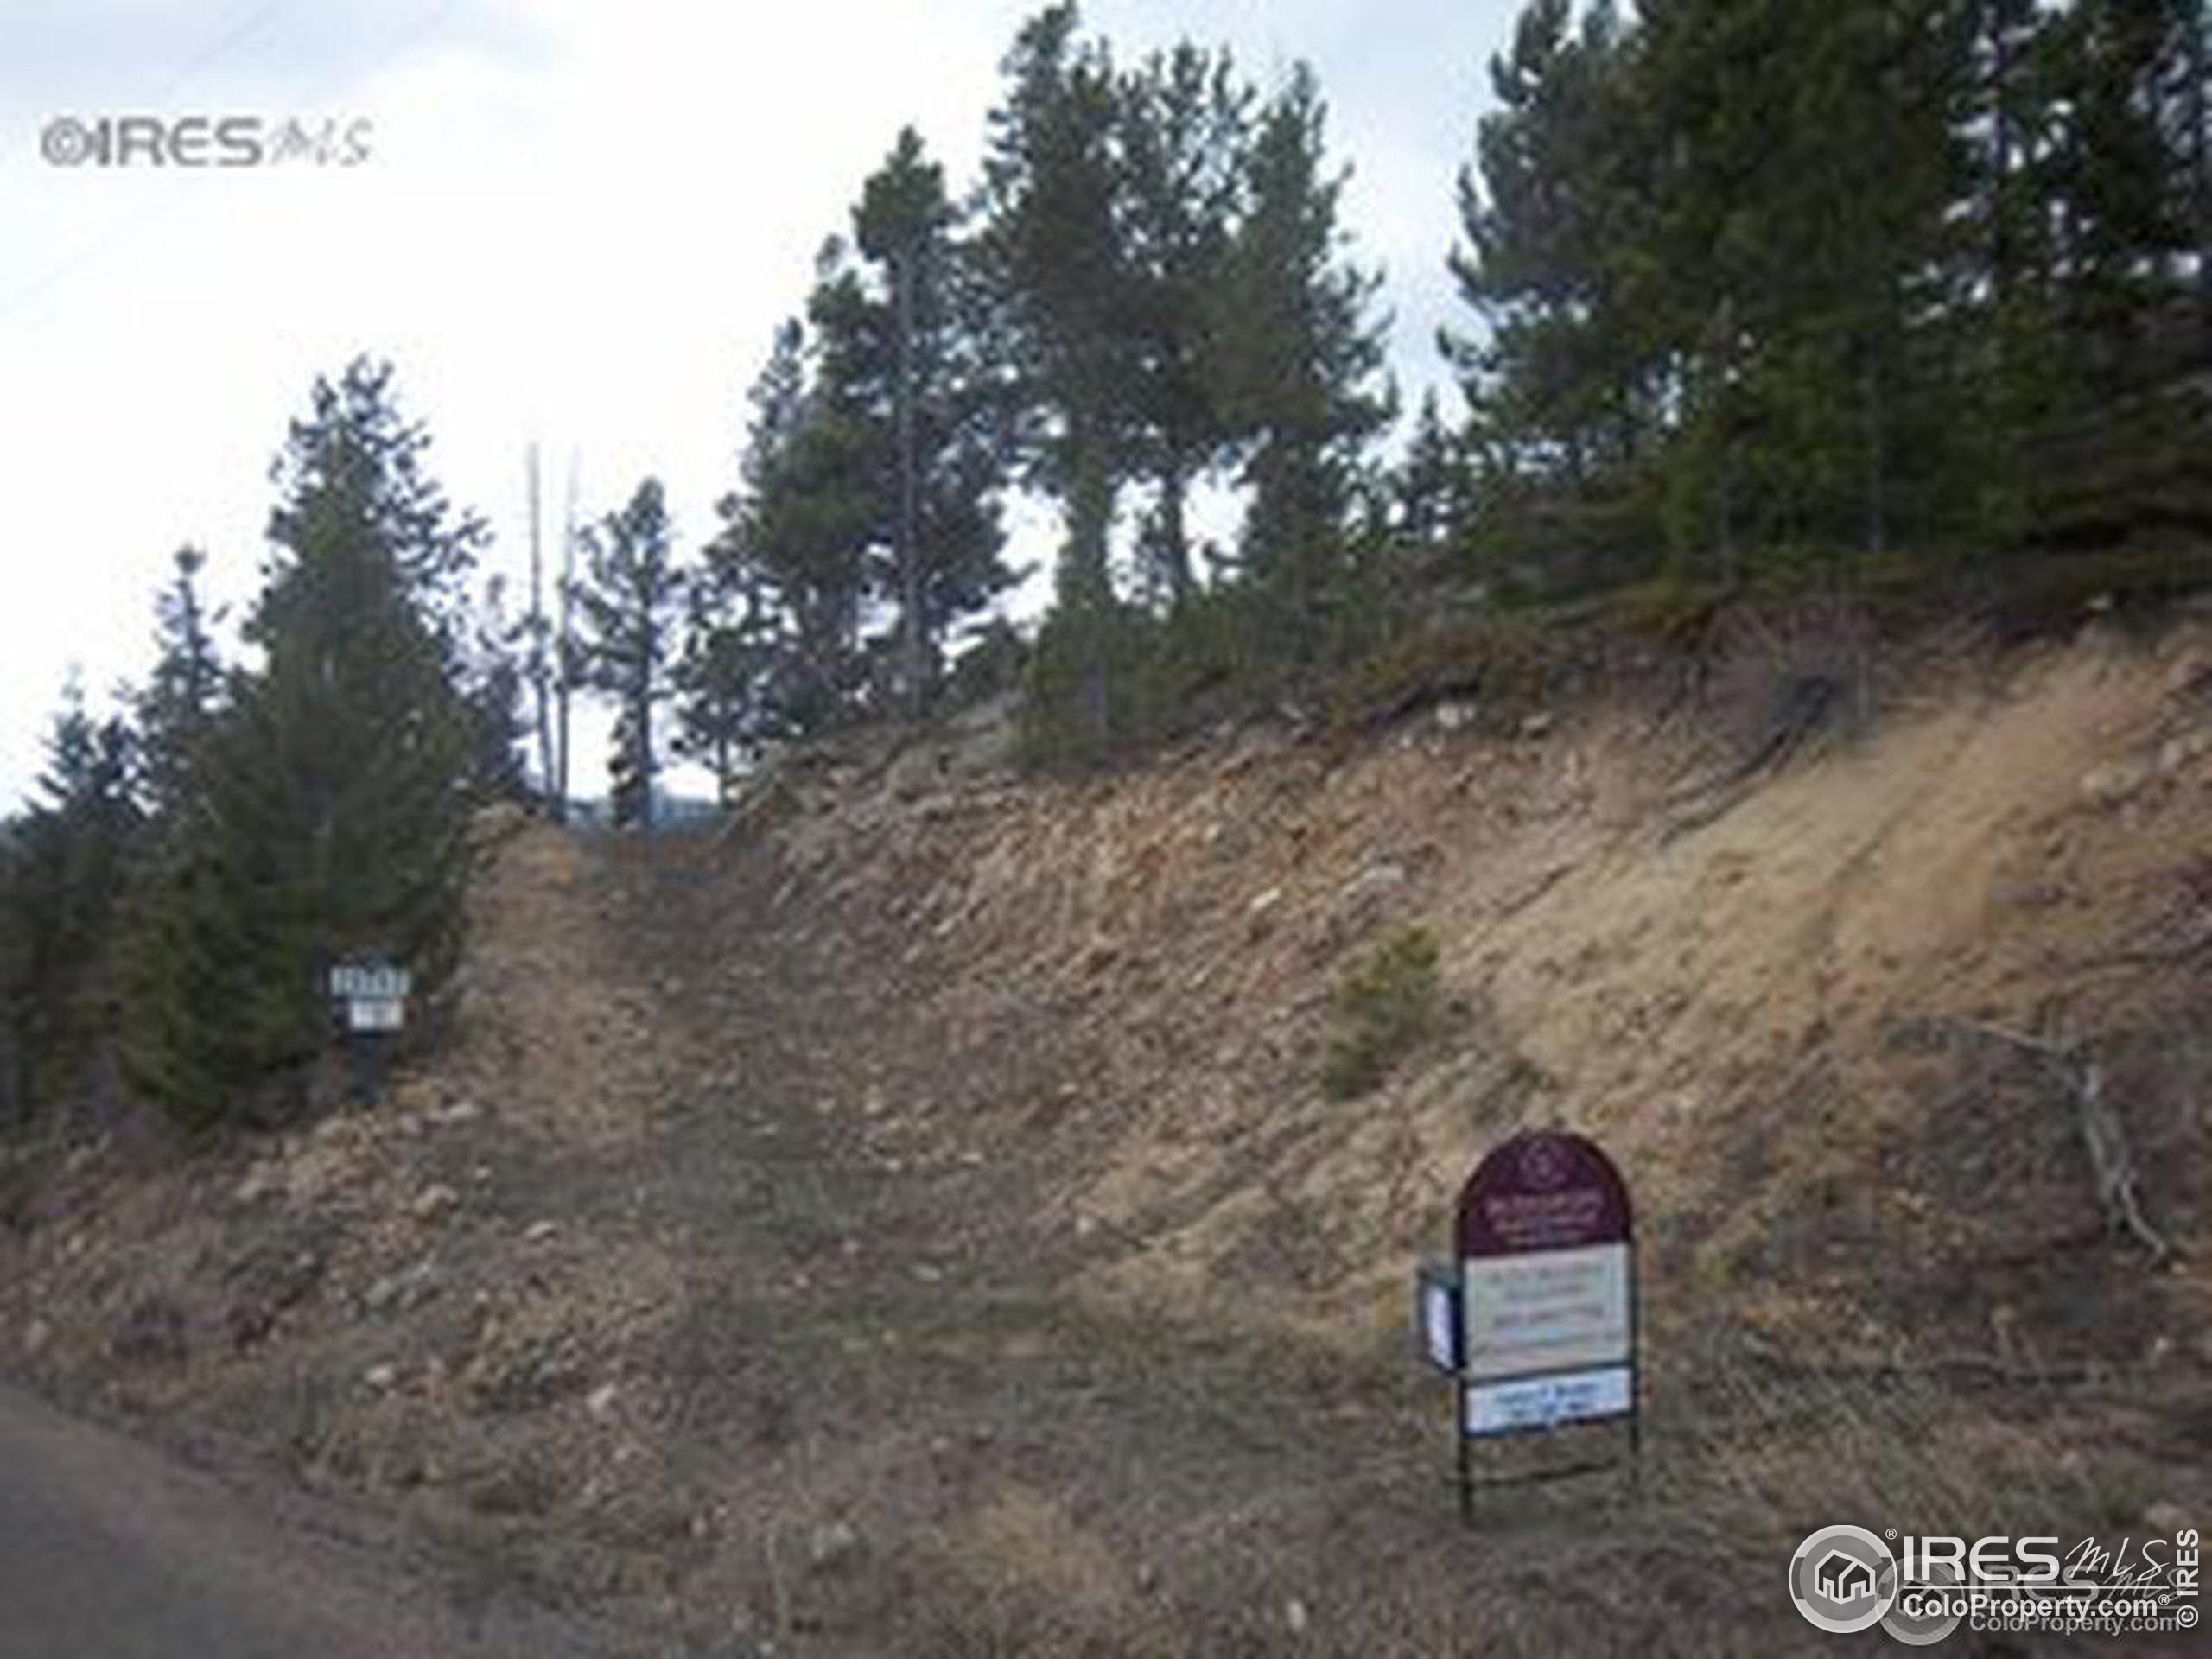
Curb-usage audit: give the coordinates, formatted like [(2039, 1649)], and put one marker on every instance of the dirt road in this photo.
[(109, 1550)]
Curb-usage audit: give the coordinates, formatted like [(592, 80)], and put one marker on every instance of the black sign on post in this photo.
[(1545, 1298), (370, 996)]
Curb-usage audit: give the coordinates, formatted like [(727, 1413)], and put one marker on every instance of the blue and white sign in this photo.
[(1536, 1403), (1437, 1290)]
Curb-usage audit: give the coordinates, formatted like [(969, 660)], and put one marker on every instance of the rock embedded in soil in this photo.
[(2165, 1519), (262, 1181), (435, 1201), (832, 1545), (2115, 783)]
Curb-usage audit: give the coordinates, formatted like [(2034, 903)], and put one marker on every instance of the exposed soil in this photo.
[(910, 1221)]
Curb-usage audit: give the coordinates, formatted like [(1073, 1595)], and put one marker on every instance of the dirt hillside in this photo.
[(912, 1220)]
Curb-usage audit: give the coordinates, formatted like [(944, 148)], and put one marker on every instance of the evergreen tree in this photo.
[(16, 987), (182, 696), (1301, 358), (1545, 212), (2190, 118), (67, 859), (1429, 508), (725, 677), (2120, 172), (1051, 246), (330, 810), (494, 672), (905, 365), (356, 449), (797, 538), (627, 605), (1181, 138)]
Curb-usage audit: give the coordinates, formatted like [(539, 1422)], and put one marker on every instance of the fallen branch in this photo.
[(2151, 956), (1705, 803), (2111, 1159)]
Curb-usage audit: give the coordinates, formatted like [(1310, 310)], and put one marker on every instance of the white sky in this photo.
[(579, 222)]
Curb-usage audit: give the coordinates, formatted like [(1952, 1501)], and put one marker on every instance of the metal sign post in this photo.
[(1544, 1302), (373, 995)]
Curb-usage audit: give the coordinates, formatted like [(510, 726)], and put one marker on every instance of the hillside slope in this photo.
[(911, 1221)]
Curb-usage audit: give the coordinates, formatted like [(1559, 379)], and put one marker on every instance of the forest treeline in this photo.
[(1877, 297)]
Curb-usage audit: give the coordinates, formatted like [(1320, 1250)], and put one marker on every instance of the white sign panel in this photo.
[(1440, 1324), (373, 1014), (370, 980), (1547, 1310), (1542, 1402)]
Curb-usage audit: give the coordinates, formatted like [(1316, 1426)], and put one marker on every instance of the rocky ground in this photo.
[(910, 1221)]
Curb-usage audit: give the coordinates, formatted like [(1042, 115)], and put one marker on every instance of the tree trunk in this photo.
[(2000, 105), (564, 650), (643, 759), (2200, 122), (909, 550), (541, 646), (1086, 582), (1877, 510), (1173, 551)]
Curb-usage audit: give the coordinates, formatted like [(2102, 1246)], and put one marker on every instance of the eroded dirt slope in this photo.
[(911, 1221)]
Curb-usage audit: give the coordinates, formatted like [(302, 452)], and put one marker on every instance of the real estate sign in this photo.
[(1534, 1318), (1549, 1292)]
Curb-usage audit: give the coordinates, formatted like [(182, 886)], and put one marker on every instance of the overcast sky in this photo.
[(577, 222)]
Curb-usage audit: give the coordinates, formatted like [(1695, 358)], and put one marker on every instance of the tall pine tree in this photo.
[(1300, 354), (330, 815), (627, 604)]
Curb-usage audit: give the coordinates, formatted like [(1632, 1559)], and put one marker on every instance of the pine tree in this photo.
[(2191, 119), (1570, 382), (2120, 172), (69, 858), (1299, 358), (181, 698), (724, 679), (799, 531), (331, 806), (904, 364), (493, 681), (1181, 141), (14, 980), (1052, 247), (1429, 509), (627, 604)]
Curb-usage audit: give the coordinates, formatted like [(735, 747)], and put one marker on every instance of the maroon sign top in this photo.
[(1546, 1190)]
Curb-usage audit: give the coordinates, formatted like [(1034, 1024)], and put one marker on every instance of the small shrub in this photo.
[(1381, 1011)]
